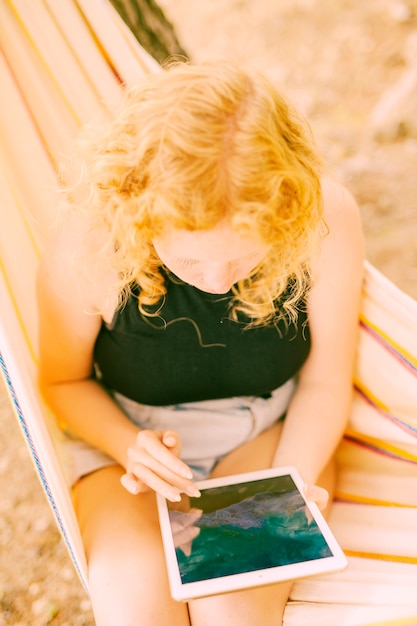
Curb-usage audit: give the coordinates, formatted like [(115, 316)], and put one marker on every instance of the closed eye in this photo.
[(189, 262), (254, 255), (186, 262)]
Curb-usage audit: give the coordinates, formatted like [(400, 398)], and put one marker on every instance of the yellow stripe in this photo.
[(21, 211), (381, 445), (407, 355), (382, 557), (81, 67), (377, 402), (369, 395), (358, 499), (43, 61), (407, 621), (18, 316), (104, 53)]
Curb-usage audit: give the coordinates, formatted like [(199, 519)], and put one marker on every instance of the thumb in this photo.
[(171, 440), (318, 495)]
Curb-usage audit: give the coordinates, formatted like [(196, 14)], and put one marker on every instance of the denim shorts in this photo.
[(209, 430)]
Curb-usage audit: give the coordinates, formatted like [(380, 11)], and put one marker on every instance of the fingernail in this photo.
[(186, 472), (173, 496), (193, 492), (170, 441), (130, 484)]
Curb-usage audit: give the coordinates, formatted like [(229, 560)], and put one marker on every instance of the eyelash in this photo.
[(191, 262), (186, 262)]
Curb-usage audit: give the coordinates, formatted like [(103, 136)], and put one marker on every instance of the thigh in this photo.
[(262, 605), (252, 607), (127, 574)]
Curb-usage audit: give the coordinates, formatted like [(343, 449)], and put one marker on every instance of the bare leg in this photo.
[(264, 605), (127, 574)]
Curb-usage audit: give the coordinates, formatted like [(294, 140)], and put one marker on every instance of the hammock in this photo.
[(61, 64)]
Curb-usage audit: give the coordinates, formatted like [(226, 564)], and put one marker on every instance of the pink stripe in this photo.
[(408, 428), (383, 342), (381, 451)]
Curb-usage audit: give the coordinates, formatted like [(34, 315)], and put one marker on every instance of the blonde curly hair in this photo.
[(194, 144)]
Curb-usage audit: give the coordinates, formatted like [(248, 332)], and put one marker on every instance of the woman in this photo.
[(205, 284)]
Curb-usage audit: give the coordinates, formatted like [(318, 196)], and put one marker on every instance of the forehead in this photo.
[(218, 244)]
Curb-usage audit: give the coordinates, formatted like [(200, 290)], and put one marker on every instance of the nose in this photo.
[(218, 278)]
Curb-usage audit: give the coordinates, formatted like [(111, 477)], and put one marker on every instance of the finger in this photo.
[(185, 536), (193, 515), (148, 469), (135, 486), (151, 441), (140, 459), (171, 440), (185, 543), (180, 520), (157, 483), (130, 483), (318, 495), (158, 468), (160, 478)]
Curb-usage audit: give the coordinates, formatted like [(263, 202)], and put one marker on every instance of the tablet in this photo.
[(244, 531)]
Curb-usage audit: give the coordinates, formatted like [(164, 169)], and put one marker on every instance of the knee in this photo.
[(129, 589), (127, 573)]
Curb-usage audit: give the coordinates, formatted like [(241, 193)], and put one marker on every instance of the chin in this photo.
[(214, 292)]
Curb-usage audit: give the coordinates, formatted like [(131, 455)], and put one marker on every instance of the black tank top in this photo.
[(194, 351)]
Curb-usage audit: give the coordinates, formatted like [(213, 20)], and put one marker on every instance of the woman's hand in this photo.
[(318, 495), (153, 464), (183, 528)]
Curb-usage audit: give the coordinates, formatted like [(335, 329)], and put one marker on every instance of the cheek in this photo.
[(187, 274), (245, 269), (180, 270)]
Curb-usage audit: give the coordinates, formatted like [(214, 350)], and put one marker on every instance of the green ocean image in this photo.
[(247, 527)]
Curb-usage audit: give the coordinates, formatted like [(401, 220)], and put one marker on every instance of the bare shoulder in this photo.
[(339, 203), (341, 257), (334, 299), (70, 305), (70, 271), (343, 221)]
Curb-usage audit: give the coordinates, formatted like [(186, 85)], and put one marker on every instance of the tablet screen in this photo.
[(244, 531)]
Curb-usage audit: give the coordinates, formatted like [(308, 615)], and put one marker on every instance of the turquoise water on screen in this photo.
[(247, 527)]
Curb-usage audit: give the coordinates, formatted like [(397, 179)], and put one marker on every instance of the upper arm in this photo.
[(334, 299), (68, 320)]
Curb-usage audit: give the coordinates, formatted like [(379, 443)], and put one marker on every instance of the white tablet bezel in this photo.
[(186, 591)]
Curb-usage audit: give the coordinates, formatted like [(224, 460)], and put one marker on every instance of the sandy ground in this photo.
[(351, 66)]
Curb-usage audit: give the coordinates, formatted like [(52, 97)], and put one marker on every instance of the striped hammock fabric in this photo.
[(63, 63)]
